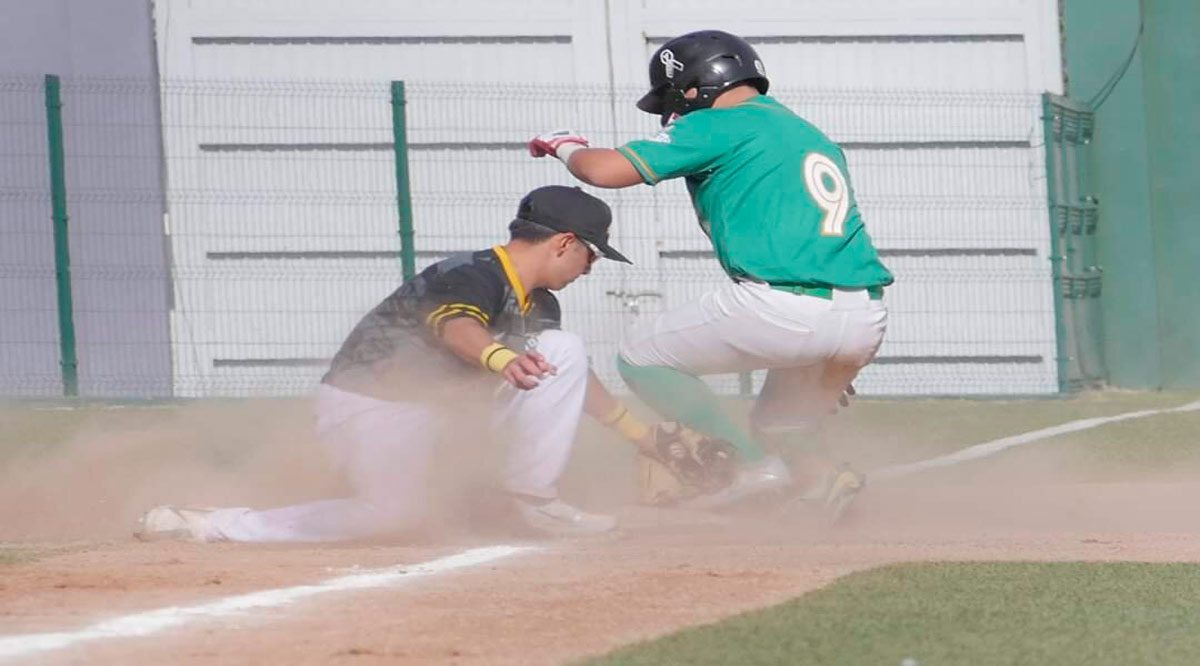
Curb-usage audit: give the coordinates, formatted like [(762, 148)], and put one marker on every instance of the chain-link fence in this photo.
[(85, 294), (225, 236)]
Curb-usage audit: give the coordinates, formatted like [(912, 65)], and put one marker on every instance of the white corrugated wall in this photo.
[(284, 231)]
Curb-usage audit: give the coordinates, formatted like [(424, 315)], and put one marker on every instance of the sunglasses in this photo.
[(593, 253)]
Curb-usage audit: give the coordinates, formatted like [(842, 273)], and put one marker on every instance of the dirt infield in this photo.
[(66, 561), (572, 598)]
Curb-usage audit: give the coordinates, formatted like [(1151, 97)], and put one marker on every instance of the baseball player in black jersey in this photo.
[(446, 335)]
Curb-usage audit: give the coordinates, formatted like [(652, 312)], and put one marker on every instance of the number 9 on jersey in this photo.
[(827, 187)]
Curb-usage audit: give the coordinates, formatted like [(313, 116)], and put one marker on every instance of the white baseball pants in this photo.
[(384, 448), (812, 347)]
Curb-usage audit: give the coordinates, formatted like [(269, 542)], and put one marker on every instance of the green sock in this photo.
[(687, 399)]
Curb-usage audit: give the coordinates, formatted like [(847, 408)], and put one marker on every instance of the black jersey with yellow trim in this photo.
[(399, 340)]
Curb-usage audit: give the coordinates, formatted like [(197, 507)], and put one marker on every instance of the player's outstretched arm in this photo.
[(604, 167), (601, 167), (692, 462), (472, 342), (605, 408)]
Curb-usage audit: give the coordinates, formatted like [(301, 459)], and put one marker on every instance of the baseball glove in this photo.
[(681, 463)]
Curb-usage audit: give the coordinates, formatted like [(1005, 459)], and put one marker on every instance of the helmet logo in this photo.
[(670, 64), (758, 67)]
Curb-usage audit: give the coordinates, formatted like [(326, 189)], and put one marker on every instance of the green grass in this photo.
[(917, 427), (1162, 444), (871, 433), (31, 429), (230, 425), (10, 555), (907, 430), (876, 433), (953, 614)]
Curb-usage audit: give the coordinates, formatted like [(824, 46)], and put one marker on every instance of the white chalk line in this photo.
[(996, 446), (144, 624)]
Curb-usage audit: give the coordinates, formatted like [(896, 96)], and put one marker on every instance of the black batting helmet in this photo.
[(710, 61)]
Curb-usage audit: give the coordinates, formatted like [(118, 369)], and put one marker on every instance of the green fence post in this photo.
[(408, 263), (1057, 258), (62, 245)]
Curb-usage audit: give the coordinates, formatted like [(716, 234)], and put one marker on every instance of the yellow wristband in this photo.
[(495, 357), (610, 419), (627, 424)]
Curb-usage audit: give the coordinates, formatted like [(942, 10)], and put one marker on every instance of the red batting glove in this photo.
[(551, 143)]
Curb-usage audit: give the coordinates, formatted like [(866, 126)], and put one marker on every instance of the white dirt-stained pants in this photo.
[(813, 347), (385, 448)]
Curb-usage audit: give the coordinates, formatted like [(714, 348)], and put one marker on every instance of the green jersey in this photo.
[(771, 192)]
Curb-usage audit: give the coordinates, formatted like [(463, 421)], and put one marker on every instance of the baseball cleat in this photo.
[(173, 522), (767, 475), (557, 518), (843, 487)]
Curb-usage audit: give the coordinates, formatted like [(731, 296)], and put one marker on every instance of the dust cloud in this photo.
[(115, 464)]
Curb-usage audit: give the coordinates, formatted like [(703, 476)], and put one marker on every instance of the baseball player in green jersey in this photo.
[(773, 195)]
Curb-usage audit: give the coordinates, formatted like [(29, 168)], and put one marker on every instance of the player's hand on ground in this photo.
[(550, 142), (527, 370)]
